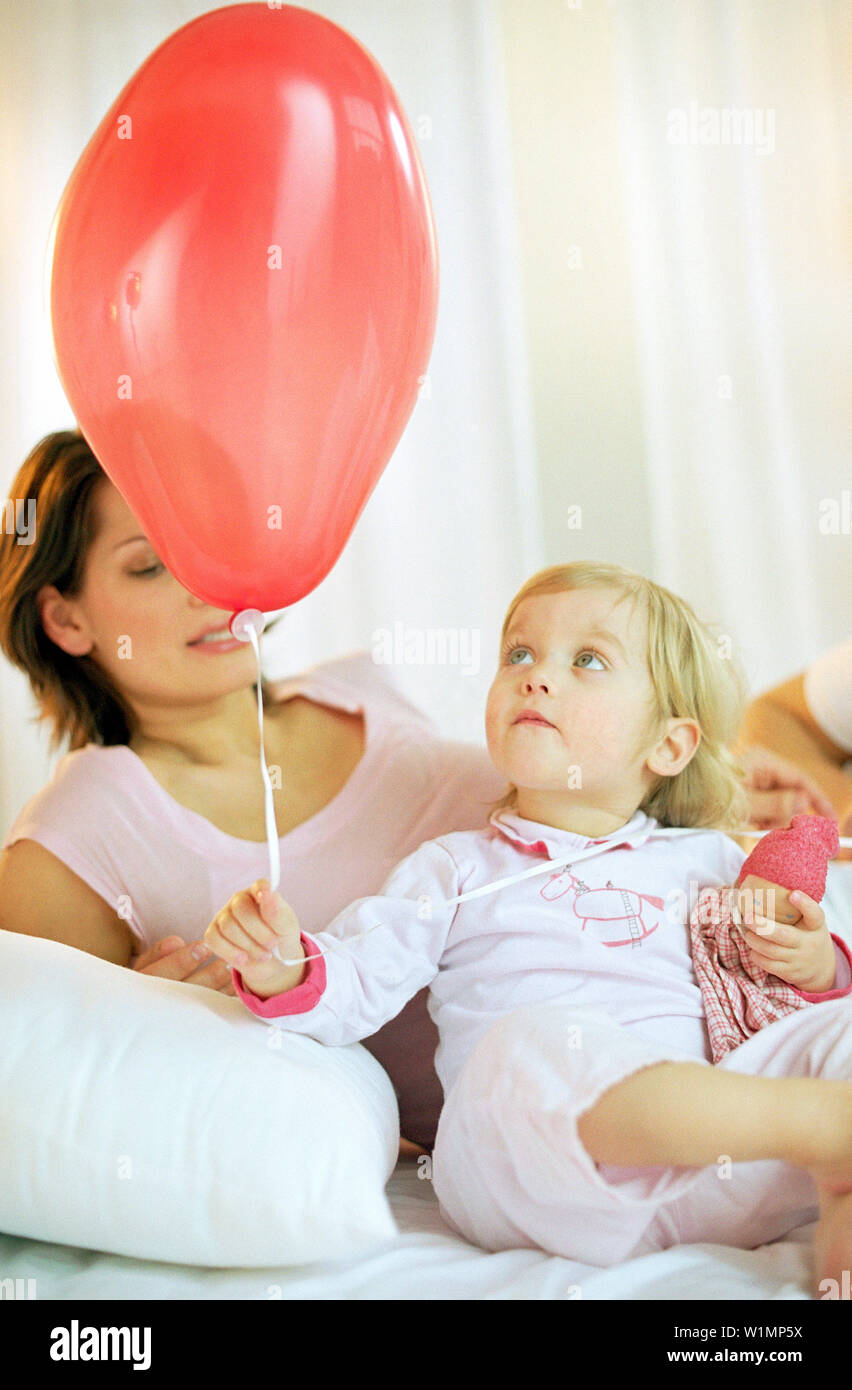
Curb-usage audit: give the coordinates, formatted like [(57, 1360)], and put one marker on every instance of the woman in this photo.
[(155, 815)]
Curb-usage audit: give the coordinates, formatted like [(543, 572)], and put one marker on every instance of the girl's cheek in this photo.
[(491, 727)]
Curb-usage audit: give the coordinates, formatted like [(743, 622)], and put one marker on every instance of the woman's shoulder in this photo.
[(353, 682), (83, 781)]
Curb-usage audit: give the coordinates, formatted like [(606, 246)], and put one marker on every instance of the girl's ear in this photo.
[(61, 622), (675, 749)]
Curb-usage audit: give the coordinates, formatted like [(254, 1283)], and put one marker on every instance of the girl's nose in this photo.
[(537, 684)]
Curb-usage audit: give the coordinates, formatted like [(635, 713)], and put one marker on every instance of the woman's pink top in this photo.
[(168, 870)]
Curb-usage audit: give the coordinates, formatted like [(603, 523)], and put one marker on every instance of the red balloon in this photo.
[(244, 294)]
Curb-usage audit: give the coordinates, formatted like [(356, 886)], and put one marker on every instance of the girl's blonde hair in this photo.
[(692, 679)]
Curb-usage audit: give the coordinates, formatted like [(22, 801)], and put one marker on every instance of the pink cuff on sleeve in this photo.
[(842, 979), (293, 1001)]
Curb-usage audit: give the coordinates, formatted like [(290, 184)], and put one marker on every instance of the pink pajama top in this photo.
[(168, 870), (607, 931)]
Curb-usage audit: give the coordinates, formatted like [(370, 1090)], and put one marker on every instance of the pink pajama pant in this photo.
[(509, 1168)]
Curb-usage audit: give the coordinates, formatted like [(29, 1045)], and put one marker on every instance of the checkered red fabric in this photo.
[(739, 996)]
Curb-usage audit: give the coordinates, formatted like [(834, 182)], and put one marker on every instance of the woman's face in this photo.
[(138, 623)]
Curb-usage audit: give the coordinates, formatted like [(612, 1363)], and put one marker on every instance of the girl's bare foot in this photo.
[(833, 1242), (823, 1145), (409, 1150)]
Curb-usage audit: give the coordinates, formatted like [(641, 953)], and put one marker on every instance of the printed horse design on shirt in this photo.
[(605, 905), (560, 883)]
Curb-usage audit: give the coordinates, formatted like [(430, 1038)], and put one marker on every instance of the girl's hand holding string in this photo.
[(794, 943), (245, 932)]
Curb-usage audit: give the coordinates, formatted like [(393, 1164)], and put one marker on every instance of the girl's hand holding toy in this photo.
[(794, 942), (791, 863)]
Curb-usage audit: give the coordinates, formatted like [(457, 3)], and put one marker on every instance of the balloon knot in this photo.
[(246, 621)]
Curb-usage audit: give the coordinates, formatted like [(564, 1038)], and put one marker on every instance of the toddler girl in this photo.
[(581, 1114)]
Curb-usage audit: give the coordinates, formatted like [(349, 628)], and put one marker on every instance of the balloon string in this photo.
[(547, 867), (269, 804), (247, 625)]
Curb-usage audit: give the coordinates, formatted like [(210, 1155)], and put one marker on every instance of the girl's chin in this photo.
[(542, 779)]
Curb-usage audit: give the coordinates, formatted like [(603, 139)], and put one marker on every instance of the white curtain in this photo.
[(692, 365), (453, 527), (735, 142)]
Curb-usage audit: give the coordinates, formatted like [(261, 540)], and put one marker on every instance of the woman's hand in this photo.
[(795, 943), (249, 927), (778, 790), (171, 958)]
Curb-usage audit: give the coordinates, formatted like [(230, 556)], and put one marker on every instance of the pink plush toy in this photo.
[(739, 996), (795, 857)]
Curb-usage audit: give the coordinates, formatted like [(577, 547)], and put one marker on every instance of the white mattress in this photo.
[(427, 1261)]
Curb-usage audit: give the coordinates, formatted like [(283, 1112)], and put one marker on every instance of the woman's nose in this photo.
[(195, 602)]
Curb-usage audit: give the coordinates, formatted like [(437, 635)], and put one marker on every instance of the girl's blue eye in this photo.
[(600, 666), (513, 653)]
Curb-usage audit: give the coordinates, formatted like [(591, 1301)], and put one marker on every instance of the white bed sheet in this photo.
[(427, 1261)]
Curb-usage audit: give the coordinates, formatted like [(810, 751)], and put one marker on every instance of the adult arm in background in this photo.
[(782, 722), (41, 896)]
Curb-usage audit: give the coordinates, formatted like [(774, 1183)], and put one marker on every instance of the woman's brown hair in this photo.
[(60, 477)]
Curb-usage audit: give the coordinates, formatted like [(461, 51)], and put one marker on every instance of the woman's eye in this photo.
[(152, 569), (518, 651), (586, 664)]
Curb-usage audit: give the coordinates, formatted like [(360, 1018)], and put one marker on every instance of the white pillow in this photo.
[(157, 1119)]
